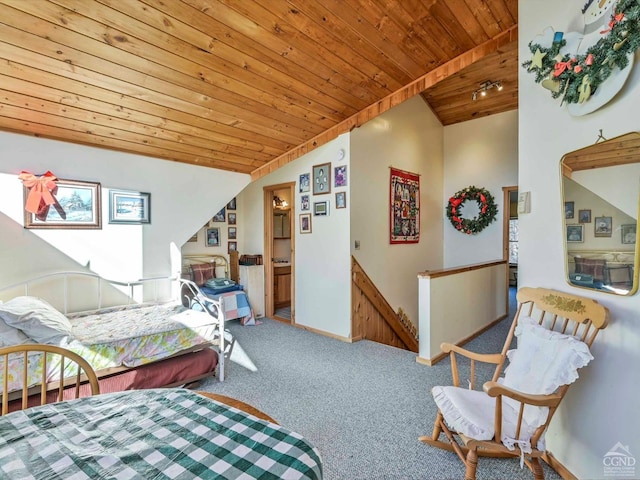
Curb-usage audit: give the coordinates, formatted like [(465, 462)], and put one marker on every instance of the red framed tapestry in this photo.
[(404, 211)]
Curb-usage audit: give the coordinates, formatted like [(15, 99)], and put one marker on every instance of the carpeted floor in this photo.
[(363, 405)]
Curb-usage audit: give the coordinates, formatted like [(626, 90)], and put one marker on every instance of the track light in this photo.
[(485, 87)]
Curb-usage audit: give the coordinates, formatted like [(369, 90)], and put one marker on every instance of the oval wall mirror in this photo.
[(601, 194)]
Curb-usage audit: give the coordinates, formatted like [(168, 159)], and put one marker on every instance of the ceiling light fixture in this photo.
[(485, 87)]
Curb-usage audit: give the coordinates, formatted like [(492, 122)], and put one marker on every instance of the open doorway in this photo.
[(279, 248), (510, 243)]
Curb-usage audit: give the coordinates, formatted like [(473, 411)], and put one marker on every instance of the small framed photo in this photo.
[(321, 208), (575, 233), (304, 183), (232, 218), (212, 238), (305, 223), (304, 203), (340, 176), (322, 179), (628, 234), (233, 247), (603, 226), (584, 216), (232, 204), (129, 207), (76, 205), (341, 199), (220, 216), (568, 209), (233, 231)]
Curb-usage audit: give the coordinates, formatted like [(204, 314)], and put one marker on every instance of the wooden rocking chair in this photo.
[(554, 331)]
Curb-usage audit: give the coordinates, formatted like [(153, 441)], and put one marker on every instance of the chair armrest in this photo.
[(494, 389), (494, 358)]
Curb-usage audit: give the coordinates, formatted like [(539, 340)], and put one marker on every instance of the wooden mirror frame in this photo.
[(607, 255)]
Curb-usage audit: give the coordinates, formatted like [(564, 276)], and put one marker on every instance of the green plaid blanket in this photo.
[(159, 434)]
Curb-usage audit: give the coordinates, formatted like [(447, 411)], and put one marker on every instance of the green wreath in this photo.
[(577, 77), (486, 205)]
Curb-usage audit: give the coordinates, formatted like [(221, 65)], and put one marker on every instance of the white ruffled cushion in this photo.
[(37, 319), (472, 412), (543, 361)]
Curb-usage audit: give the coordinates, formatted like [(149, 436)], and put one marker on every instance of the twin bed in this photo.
[(147, 343), (212, 278)]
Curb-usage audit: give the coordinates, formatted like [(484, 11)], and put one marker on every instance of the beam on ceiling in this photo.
[(411, 89)]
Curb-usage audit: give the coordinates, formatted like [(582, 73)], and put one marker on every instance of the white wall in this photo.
[(408, 137), (483, 153), (447, 316), (183, 197), (322, 258), (600, 410)]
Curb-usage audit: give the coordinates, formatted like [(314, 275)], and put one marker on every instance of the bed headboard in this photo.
[(77, 291), (222, 265), (611, 257)]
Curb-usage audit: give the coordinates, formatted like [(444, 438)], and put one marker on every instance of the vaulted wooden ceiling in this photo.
[(244, 85)]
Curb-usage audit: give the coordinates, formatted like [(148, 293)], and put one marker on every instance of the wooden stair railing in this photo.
[(373, 318)]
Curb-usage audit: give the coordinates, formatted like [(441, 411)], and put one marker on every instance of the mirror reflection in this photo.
[(601, 190)]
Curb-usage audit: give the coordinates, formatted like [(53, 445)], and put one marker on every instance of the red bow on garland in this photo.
[(560, 67), (618, 18), (41, 192)]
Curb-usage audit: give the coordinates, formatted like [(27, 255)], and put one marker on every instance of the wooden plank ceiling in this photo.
[(244, 85)]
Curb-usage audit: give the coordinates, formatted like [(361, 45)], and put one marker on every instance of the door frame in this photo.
[(506, 215), (268, 193)]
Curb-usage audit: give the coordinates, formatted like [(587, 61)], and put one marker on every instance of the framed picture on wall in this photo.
[(76, 205), (628, 234), (305, 223), (232, 218), (233, 247), (212, 238), (304, 203), (232, 204), (304, 185), (340, 176), (321, 208), (575, 233), (568, 209), (220, 216), (341, 199), (603, 226), (584, 216), (129, 207), (232, 233), (322, 179)]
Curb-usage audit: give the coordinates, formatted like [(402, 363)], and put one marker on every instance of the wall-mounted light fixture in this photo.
[(484, 87), (279, 203)]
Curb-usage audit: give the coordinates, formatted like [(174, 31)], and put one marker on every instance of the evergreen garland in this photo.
[(577, 77), (486, 205)]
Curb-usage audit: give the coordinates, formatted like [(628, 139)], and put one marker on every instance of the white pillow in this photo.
[(11, 335), (544, 359), (37, 319)]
